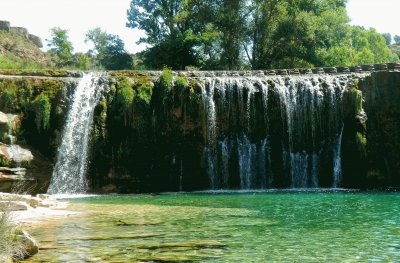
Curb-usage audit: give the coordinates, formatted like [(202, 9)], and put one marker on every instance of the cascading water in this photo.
[(238, 130), (337, 165), (69, 171)]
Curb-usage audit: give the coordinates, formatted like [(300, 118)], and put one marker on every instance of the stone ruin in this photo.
[(5, 26)]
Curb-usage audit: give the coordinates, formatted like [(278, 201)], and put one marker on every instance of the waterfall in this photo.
[(337, 164), (69, 171), (238, 122)]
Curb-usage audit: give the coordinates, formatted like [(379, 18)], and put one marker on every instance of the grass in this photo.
[(10, 245), (17, 52)]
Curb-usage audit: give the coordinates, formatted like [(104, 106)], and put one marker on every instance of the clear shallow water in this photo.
[(226, 227)]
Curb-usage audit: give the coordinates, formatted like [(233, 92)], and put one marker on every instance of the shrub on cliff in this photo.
[(124, 99), (144, 93), (181, 83), (166, 80)]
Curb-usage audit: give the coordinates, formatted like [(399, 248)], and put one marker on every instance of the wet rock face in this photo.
[(382, 95)]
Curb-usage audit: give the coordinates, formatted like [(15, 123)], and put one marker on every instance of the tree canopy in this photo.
[(256, 34), (109, 50), (60, 46)]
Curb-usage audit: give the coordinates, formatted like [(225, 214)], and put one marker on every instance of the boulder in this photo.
[(30, 201), (14, 154), (13, 205), (12, 178), (5, 25), (34, 202), (43, 196), (35, 40), (30, 246)]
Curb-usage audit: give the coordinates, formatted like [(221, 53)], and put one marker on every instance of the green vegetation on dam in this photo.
[(172, 131)]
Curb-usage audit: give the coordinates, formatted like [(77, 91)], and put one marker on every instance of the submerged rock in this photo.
[(29, 246), (13, 205)]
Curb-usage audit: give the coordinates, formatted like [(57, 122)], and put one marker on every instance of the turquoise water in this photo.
[(226, 227)]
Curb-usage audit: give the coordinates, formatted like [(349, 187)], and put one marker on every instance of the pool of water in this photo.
[(225, 227)]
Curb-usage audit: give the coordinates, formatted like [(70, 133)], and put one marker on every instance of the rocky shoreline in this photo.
[(22, 209)]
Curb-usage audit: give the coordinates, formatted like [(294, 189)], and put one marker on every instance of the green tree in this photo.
[(370, 46), (233, 34), (109, 50), (61, 47), (396, 39), (180, 33), (388, 38), (231, 23), (290, 33), (82, 61)]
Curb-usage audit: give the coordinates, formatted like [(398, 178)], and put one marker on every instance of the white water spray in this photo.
[(69, 171)]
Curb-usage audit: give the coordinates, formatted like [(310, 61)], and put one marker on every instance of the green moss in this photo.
[(144, 93), (352, 102), (37, 72), (16, 94), (4, 162), (124, 99), (5, 138), (100, 119), (8, 100), (166, 79), (128, 73), (42, 108), (181, 83), (194, 90), (361, 142)]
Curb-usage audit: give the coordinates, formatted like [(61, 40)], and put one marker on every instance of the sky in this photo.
[(78, 16), (383, 15)]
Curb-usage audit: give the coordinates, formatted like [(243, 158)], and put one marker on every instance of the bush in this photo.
[(8, 100)]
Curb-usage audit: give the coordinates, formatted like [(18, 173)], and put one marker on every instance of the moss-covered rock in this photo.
[(382, 95)]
